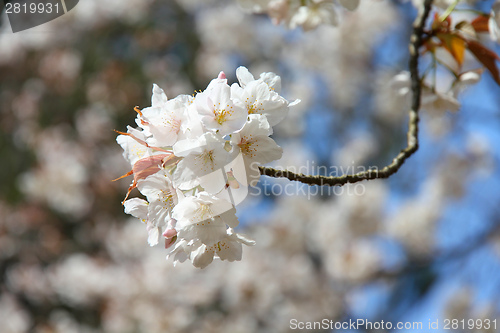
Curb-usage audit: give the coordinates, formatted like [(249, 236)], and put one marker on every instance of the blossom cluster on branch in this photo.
[(193, 157)]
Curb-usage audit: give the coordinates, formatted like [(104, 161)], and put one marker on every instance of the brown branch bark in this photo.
[(412, 134)]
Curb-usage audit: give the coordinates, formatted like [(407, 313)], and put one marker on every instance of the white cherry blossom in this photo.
[(156, 211), (162, 197), (259, 96), (192, 211), (229, 247), (245, 77), (201, 157), (133, 151), (256, 146), (166, 120), (139, 208), (218, 111)]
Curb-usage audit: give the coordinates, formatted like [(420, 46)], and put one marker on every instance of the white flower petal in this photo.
[(244, 76), (202, 257), (133, 150), (137, 208), (153, 234), (159, 97)]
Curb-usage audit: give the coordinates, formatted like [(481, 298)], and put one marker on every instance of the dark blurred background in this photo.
[(421, 246)]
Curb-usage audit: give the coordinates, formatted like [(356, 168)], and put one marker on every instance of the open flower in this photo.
[(245, 77), (205, 228), (133, 150), (218, 111), (260, 96), (156, 211), (229, 248), (256, 146), (165, 121), (200, 212), (201, 157), (162, 197)]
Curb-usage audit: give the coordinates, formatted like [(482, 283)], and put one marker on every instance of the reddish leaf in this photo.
[(487, 57), (480, 23), (148, 166)]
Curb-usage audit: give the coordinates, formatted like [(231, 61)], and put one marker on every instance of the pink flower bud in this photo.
[(169, 233), (170, 242), (221, 76)]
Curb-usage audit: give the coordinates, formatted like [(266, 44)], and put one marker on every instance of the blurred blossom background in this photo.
[(422, 245)]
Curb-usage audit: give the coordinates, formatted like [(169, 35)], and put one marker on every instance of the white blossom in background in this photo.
[(353, 261), (307, 14), (391, 102), (310, 17), (401, 83), (494, 22), (193, 158), (414, 225), (435, 100), (15, 319), (88, 15), (341, 56), (61, 177)]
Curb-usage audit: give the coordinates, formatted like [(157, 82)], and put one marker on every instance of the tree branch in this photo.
[(412, 134)]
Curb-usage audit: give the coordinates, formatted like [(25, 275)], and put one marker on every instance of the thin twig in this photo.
[(412, 134)]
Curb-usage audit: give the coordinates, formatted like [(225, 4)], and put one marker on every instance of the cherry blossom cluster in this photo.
[(193, 158), (307, 14)]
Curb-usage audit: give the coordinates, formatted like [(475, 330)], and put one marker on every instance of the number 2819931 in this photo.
[(32, 8), (454, 324)]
